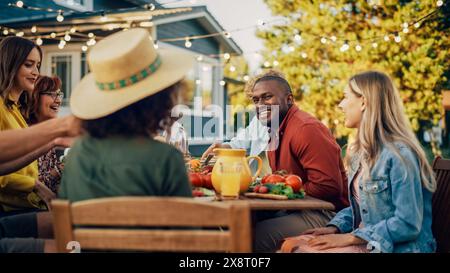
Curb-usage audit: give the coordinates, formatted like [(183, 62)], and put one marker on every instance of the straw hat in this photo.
[(125, 68)]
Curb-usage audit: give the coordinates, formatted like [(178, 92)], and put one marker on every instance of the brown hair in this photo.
[(13, 53), (43, 84), (143, 118)]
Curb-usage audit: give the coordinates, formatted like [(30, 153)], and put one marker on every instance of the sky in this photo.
[(236, 14)]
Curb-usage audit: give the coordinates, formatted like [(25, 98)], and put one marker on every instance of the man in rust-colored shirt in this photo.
[(301, 145)]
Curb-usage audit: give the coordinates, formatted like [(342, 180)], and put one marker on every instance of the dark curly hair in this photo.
[(143, 118)]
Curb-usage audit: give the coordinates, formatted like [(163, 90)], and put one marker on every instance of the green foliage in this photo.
[(318, 71)]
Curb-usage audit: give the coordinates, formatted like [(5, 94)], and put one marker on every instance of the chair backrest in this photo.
[(153, 224), (441, 204)]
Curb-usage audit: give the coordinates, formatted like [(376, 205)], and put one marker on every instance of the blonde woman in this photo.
[(390, 180)]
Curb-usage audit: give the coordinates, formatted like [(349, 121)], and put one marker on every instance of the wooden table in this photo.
[(307, 203)]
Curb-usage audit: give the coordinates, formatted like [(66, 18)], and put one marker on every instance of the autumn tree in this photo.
[(322, 43)]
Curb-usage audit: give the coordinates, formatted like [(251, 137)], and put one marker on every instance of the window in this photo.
[(62, 67), (84, 65), (200, 84), (80, 5)]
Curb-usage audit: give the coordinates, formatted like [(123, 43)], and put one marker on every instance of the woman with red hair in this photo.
[(45, 103)]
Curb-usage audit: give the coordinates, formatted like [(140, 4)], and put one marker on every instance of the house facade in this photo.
[(66, 43)]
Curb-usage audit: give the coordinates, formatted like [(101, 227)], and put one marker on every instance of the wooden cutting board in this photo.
[(266, 196)]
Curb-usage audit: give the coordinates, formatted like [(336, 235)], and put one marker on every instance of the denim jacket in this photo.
[(394, 208)]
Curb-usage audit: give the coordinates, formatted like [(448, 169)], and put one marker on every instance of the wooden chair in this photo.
[(441, 204), (153, 224)]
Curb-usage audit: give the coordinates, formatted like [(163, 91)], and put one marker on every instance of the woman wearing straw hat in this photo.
[(123, 104)]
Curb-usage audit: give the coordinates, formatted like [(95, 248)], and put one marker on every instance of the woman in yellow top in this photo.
[(20, 60)]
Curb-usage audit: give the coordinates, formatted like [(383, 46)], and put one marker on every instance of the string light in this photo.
[(200, 58), (20, 34), (386, 38), (155, 44), (67, 37), (232, 68), (73, 30), (246, 78), (397, 38), (439, 3), (345, 46), (374, 45), (323, 40), (266, 64), (84, 48), (333, 38), (304, 55), (358, 48), (90, 35), (19, 4), (198, 82), (222, 83), (5, 32), (226, 56), (275, 63), (261, 23), (33, 29), (227, 34), (297, 37), (39, 41), (103, 17), (53, 35), (417, 25), (405, 30), (188, 43), (60, 16)]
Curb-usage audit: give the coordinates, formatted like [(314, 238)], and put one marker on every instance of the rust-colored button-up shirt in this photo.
[(307, 148)]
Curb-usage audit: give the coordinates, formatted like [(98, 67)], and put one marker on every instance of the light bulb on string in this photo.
[(297, 37), (345, 46), (90, 34), (333, 38), (417, 25), (188, 43), (374, 45), (5, 32), (304, 55), (397, 38), (20, 34), (73, 30), (149, 6), (439, 3), (226, 56), (67, 37), (275, 63), (358, 48), (84, 48), (222, 83), (227, 34), (53, 35), (39, 41), (386, 38), (19, 4), (323, 40), (246, 78), (155, 44), (60, 16), (232, 68), (405, 30), (103, 17), (33, 29), (198, 82)]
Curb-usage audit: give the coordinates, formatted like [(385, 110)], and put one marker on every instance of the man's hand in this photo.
[(335, 240), (44, 193), (321, 231), (214, 146)]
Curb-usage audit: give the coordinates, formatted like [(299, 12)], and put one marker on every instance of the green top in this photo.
[(119, 166)]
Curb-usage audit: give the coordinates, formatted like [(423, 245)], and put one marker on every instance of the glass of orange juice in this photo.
[(230, 183)]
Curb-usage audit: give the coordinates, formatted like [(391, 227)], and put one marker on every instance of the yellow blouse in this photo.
[(16, 188)]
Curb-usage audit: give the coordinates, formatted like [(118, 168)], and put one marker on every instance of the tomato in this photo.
[(207, 183), (294, 181), (256, 188), (274, 178), (196, 179), (263, 189), (197, 193)]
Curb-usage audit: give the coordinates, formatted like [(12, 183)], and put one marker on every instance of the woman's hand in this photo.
[(44, 193), (334, 240), (321, 231)]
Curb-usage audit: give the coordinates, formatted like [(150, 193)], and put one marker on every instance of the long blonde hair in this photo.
[(384, 122)]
